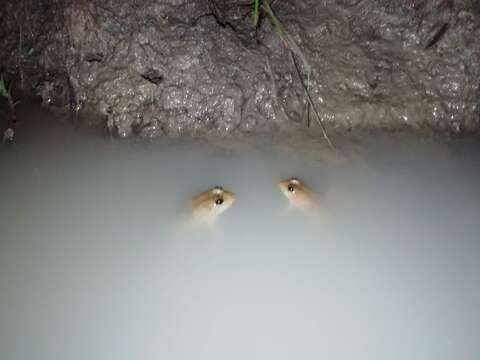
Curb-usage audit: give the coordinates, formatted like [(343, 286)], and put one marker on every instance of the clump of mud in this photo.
[(199, 67)]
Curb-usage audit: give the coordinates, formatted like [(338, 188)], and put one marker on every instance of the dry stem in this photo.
[(310, 101)]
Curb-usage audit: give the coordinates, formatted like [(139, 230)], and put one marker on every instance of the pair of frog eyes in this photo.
[(219, 201)]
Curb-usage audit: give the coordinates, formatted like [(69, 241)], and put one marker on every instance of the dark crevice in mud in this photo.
[(200, 67), (94, 57), (153, 76), (218, 16), (438, 34)]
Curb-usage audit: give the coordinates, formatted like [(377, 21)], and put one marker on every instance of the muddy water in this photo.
[(95, 262)]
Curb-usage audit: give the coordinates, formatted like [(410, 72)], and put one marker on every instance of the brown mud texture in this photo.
[(173, 67)]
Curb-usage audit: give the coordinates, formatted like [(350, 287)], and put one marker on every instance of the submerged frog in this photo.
[(299, 195), (208, 205)]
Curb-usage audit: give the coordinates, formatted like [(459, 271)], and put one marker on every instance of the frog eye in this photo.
[(219, 201), (290, 188)]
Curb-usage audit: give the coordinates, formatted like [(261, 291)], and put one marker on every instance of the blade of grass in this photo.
[(275, 21), (256, 13), (284, 35)]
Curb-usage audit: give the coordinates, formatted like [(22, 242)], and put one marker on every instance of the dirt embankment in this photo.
[(184, 67)]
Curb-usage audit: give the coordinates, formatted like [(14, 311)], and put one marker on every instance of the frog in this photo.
[(207, 206), (300, 196)]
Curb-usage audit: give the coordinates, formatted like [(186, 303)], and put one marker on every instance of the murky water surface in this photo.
[(96, 263)]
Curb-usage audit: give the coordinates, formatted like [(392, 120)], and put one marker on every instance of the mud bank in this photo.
[(157, 68)]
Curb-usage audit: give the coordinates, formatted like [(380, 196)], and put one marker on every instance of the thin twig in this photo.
[(274, 84), (308, 115), (20, 56), (293, 49), (309, 99), (308, 104)]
